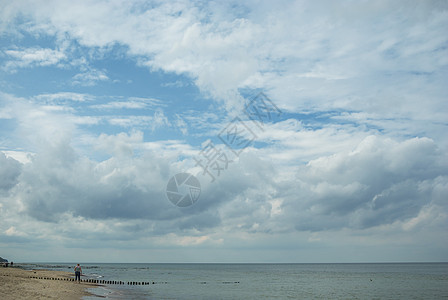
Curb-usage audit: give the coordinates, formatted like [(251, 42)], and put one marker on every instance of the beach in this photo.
[(16, 283)]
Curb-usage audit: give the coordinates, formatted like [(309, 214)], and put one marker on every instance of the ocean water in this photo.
[(268, 281)]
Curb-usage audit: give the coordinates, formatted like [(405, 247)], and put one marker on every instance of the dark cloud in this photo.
[(10, 170), (380, 182), (58, 181)]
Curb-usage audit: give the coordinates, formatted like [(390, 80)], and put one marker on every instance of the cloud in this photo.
[(62, 97), (176, 84), (10, 169), (56, 122), (358, 151), (121, 144), (90, 77), (20, 156), (299, 58), (77, 185), (154, 122), (148, 101), (376, 183), (30, 57), (181, 124), (380, 182), (53, 124), (127, 186), (131, 103), (12, 231), (121, 105)]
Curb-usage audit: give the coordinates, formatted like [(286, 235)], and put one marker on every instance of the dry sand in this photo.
[(16, 283)]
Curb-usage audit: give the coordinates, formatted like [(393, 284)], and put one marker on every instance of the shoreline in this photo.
[(16, 283)]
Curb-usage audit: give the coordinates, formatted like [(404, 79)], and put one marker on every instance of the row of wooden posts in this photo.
[(99, 281)]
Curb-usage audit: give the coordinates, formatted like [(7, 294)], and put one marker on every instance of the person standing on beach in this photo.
[(78, 272)]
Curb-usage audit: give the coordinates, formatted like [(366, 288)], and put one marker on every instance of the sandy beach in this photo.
[(16, 283)]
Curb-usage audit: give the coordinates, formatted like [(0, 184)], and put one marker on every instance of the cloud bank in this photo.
[(357, 157)]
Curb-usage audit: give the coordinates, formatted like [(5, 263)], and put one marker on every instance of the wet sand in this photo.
[(16, 283)]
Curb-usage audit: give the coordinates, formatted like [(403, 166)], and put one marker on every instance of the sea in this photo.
[(264, 281)]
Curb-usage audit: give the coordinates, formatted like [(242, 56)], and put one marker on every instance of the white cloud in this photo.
[(176, 84), (154, 122), (56, 121), (12, 231), (181, 124), (62, 97), (121, 105), (31, 57), (333, 61), (148, 101), (20, 156), (121, 144), (90, 77), (131, 103)]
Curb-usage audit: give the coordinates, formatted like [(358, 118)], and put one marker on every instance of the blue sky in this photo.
[(102, 102)]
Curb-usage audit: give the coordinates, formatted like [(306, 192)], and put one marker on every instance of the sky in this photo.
[(316, 131)]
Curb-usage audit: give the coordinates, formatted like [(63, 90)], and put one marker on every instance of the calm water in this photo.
[(270, 281)]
